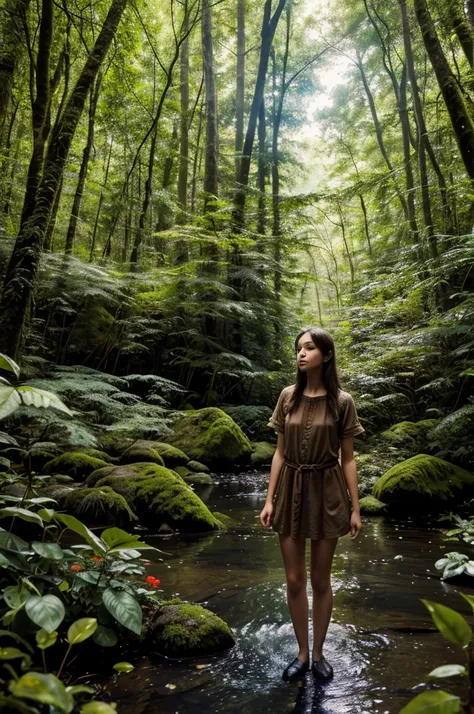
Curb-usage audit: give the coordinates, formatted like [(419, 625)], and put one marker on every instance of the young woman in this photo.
[(307, 491)]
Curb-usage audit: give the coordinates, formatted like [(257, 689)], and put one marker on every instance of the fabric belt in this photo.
[(298, 484)]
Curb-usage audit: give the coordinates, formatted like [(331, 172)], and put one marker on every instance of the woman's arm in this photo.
[(350, 470), (277, 462)]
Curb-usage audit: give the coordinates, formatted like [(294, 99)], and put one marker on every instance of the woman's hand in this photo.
[(266, 515), (356, 525)]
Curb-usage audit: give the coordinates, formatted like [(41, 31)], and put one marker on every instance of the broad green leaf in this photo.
[(11, 653), (7, 439), (46, 611), (14, 543), (81, 630), (9, 365), (448, 670), (105, 637), (46, 639), (450, 623), (43, 688), (124, 667), (97, 708), (124, 608), (47, 514), (5, 462), (23, 513), (435, 702), (10, 400), (31, 396), (51, 551), (15, 596), (469, 599), (75, 525), (114, 536), (64, 586)]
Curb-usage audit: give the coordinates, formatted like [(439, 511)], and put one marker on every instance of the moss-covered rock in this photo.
[(252, 420), (197, 467), (170, 454), (370, 506), (139, 454), (61, 479), (99, 506), (211, 436), (424, 484), (198, 479), (408, 433), (38, 459), (75, 464), (97, 454), (183, 471), (262, 453), (185, 630), (158, 495), (227, 521)]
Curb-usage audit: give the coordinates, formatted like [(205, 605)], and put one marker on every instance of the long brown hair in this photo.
[(325, 343)]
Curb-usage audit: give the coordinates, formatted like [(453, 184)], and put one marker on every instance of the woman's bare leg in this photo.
[(322, 552), (294, 558)]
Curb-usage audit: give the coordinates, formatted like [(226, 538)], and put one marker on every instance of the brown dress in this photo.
[(311, 497)]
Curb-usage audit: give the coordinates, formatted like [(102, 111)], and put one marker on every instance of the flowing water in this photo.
[(381, 640)]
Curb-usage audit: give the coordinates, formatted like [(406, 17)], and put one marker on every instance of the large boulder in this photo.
[(185, 630), (170, 454), (158, 495), (140, 453), (370, 506), (75, 464), (262, 453), (253, 420), (424, 484), (101, 506), (211, 436), (408, 434)]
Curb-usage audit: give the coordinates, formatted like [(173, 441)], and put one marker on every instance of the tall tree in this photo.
[(240, 85), (20, 280), (12, 23), (211, 152)]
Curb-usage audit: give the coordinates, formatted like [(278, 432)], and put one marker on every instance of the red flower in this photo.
[(96, 558), (157, 582), (150, 579), (75, 568)]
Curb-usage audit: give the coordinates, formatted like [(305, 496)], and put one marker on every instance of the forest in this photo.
[(184, 185)]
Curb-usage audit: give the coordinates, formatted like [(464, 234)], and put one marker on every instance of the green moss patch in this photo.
[(371, 506), (184, 630), (211, 436), (262, 453), (99, 505), (75, 464), (424, 483), (135, 454)]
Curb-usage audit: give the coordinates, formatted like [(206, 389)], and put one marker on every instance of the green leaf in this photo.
[(97, 708), (80, 689), (10, 400), (64, 586), (105, 637), (43, 688), (81, 630), (23, 513), (118, 539), (15, 596), (11, 653), (46, 611), (14, 543), (17, 638), (435, 702), (9, 365), (124, 667), (46, 639), (31, 396), (124, 608), (450, 623), (7, 439), (51, 551), (469, 599), (47, 514), (75, 525), (448, 670)]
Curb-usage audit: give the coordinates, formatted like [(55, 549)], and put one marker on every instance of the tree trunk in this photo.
[(240, 85), (99, 205), (262, 169), (184, 125), (76, 205), (11, 33), (211, 153), (460, 24), (460, 118), (22, 271), (422, 130), (269, 26)]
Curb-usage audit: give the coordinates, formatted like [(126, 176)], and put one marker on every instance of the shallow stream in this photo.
[(381, 640)]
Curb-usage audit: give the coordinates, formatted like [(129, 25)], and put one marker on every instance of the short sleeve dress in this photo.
[(311, 497)]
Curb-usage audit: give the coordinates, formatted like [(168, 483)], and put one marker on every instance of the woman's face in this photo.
[(308, 356)]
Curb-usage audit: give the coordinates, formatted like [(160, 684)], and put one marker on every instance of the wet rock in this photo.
[(262, 453), (197, 467), (75, 464), (184, 630), (370, 506), (99, 506), (135, 454)]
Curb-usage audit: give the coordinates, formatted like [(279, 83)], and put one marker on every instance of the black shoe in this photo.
[(322, 669), (295, 670)]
